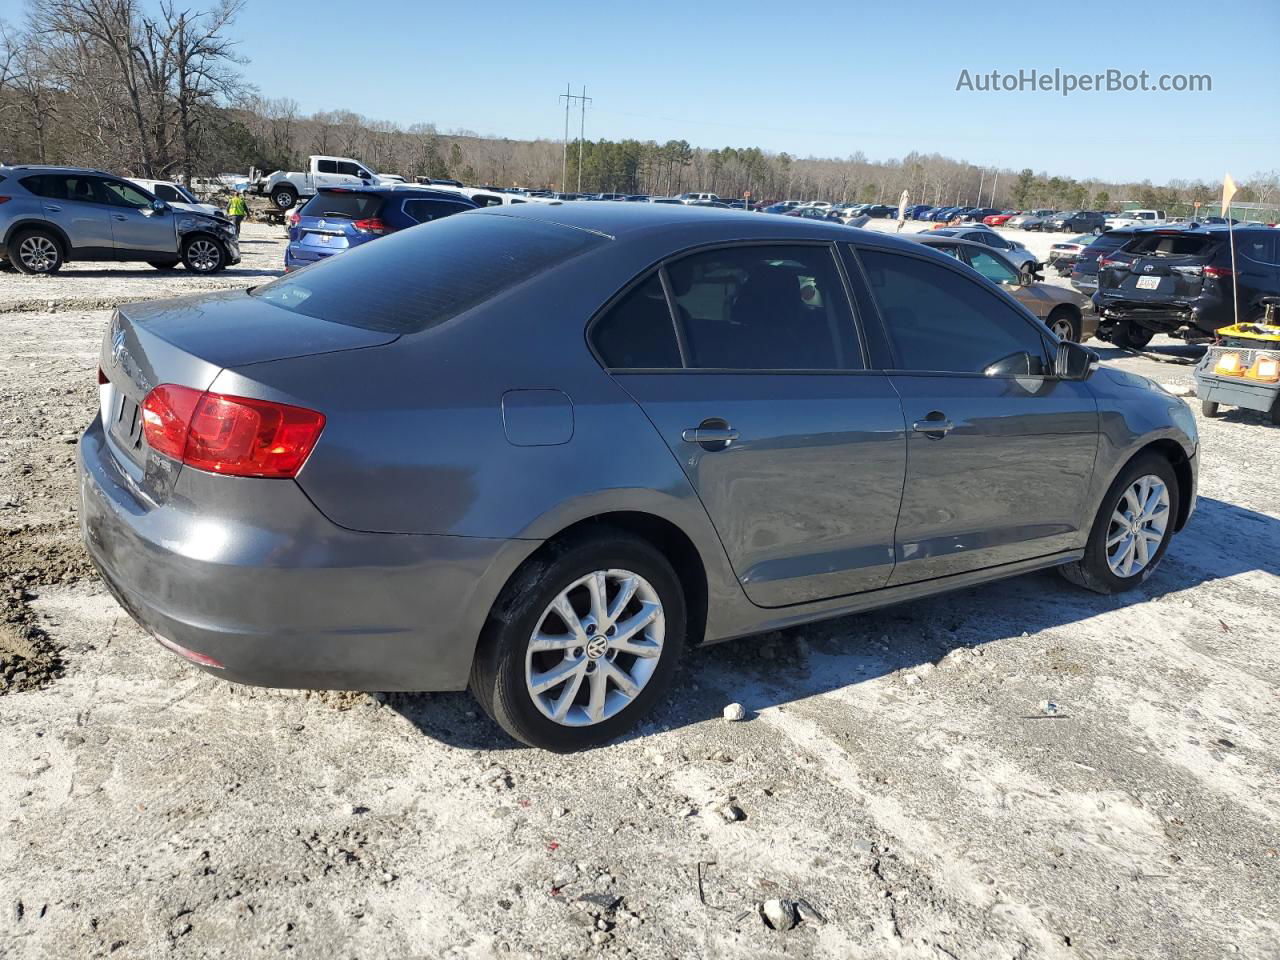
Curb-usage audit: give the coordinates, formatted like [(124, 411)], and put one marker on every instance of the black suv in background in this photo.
[(1077, 221), (1084, 272), (1180, 282)]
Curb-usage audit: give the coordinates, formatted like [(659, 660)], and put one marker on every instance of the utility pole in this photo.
[(982, 179), (564, 153), (994, 181), (582, 130), (569, 97)]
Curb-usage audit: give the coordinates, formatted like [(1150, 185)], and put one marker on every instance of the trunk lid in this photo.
[(188, 341), (1159, 267)]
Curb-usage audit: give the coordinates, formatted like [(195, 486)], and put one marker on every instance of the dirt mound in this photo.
[(28, 659)]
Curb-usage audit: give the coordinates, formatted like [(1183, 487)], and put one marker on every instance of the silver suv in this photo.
[(51, 215)]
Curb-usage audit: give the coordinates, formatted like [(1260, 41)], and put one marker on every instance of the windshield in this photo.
[(418, 278)]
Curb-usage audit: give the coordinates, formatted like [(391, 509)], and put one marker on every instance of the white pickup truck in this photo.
[(1137, 218), (285, 189)]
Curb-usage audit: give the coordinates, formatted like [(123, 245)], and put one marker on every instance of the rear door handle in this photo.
[(121, 216), (53, 208), (935, 426)]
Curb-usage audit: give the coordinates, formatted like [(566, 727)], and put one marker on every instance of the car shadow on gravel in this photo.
[(780, 667)]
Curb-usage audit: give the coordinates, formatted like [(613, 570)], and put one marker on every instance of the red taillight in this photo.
[(238, 436), (370, 225), (102, 378), (4, 199), (294, 218), (1222, 273), (1106, 262)]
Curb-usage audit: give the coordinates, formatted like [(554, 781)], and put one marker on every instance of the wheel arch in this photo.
[(1172, 451), (659, 532), (28, 223)]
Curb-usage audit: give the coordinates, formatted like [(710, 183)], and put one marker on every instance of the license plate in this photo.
[(1148, 283)]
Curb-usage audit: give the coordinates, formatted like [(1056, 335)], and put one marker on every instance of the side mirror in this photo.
[(1026, 279), (159, 206), (1019, 364), (1074, 362)]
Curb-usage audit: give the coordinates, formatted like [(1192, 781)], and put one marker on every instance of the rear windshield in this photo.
[(1177, 245), (352, 206), (1109, 241), (415, 279)]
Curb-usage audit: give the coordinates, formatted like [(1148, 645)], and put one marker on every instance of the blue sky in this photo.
[(822, 78)]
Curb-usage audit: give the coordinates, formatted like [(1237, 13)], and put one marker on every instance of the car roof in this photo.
[(401, 191), (54, 168), (686, 225)]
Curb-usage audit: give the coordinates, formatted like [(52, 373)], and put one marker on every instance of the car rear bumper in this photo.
[(1202, 315), (296, 256), (276, 594)]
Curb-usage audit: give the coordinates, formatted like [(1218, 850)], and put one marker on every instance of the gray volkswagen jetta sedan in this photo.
[(540, 451)]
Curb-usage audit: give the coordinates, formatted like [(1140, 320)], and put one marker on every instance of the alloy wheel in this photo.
[(595, 647), (1138, 526), (1062, 328), (204, 256), (38, 254)]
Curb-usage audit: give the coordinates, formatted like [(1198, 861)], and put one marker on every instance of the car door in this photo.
[(1255, 266), (138, 230), (796, 449), (351, 174), (999, 452), (76, 204)]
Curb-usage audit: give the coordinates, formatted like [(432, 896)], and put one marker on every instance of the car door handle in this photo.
[(121, 216), (52, 208), (710, 436), (935, 426)]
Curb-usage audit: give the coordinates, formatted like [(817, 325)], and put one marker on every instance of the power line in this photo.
[(568, 97)]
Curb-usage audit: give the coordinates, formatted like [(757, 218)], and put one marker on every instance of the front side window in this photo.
[(637, 332), (940, 321), (168, 194), (765, 308), (120, 194)]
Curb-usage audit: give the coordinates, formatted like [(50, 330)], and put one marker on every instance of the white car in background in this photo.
[(178, 197), (1137, 218)]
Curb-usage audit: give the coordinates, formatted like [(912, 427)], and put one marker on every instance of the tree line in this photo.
[(159, 93)]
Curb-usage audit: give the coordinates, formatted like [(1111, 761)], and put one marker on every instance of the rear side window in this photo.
[(637, 332), (415, 279), (486, 200), (61, 186), (1258, 247), (326, 166), (1108, 241), (940, 321), (765, 308), (425, 210), (347, 206)]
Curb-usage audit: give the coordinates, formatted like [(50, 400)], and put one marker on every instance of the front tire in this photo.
[(1210, 408), (36, 253), (1065, 323), (203, 254), (1132, 529), (582, 643)]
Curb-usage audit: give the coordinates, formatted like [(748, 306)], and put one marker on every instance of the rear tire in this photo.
[(284, 198), (1209, 408), (506, 670), (1124, 518), (36, 253), (1130, 336)]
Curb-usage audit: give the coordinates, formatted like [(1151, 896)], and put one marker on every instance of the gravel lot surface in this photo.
[(1022, 770)]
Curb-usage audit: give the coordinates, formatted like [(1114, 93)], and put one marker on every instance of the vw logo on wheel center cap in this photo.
[(596, 648)]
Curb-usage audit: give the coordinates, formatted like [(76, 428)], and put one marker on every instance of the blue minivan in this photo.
[(339, 218)]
